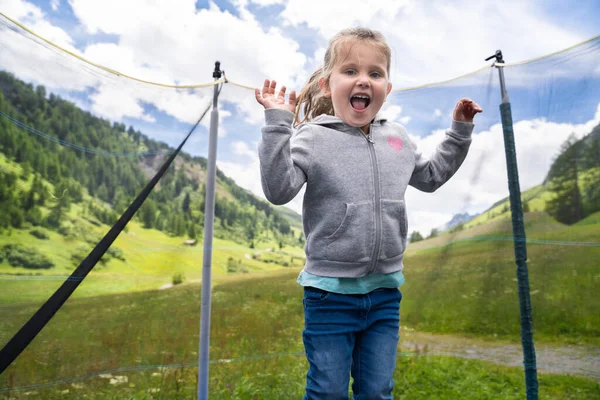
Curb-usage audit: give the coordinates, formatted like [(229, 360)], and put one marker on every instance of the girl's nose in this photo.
[(363, 82)]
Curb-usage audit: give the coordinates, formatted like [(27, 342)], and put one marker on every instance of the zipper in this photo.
[(376, 201)]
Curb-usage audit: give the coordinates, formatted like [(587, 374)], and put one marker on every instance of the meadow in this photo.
[(116, 339)]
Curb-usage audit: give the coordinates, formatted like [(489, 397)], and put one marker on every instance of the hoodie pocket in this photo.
[(352, 241), (394, 226)]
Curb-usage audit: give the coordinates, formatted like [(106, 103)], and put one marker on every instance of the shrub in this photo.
[(82, 252), (39, 233), (117, 253), (66, 229), (27, 257), (79, 255), (234, 266), (178, 278), (34, 216)]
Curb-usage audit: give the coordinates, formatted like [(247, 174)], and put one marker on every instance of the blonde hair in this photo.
[(311, 101)]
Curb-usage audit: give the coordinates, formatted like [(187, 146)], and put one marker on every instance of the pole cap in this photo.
[(498, 56), (217, 72)]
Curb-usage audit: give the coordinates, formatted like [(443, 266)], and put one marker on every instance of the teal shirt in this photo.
[(360, 285)]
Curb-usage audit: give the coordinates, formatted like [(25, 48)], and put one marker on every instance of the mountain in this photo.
[(69, 157), (569, 193), (457, 219)]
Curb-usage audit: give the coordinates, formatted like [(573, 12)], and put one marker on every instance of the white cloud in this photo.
[(246, 175), (34, 18), (104, 104), (391, 111), (165, 42), (28, 59), (242, 148), (482, 179), (438, 40), (171, 40), (55, 4), (437, 113), (18, 9)]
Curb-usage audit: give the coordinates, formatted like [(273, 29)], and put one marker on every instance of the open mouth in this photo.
[(360, 102)]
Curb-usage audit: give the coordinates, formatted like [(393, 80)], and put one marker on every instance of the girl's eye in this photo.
[(375, 75), (350, 72)]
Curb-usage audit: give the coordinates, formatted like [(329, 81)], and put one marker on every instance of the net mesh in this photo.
[(76, 149)]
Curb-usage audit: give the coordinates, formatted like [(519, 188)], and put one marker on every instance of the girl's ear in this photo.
[(324, 86), (389, 89)]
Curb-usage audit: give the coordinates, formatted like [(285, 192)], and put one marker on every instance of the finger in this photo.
[(293, 98), (266, 87), (259, 98), (282, 92), (458, 107), (272, 87), (472, 109)]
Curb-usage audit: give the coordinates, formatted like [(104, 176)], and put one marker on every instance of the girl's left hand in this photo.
[(465, 110)]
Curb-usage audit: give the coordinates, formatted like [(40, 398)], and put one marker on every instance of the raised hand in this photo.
[(465, 110), (268, 99)]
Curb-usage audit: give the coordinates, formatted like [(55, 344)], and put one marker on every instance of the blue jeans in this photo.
[(350, 334)]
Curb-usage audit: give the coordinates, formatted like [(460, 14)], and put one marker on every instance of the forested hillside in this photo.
[(103, 167), (570, 192), (574, 179)]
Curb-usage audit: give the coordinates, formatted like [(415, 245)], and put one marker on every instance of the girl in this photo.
[(356, 167)]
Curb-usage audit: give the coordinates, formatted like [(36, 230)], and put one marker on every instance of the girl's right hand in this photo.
[(269, 100)]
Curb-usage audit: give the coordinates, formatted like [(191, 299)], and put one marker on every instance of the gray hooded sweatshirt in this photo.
[(353, 212)]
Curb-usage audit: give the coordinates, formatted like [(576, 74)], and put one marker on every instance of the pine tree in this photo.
[(566, 205), (415, 236), (185, 206), (148, 213)]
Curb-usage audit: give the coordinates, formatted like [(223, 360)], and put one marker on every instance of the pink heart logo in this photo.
[(395, 143)]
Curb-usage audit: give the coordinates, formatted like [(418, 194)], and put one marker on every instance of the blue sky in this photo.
[(178, 42)]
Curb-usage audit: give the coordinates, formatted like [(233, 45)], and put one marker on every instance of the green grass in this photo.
[(590, 219), (536, 197), (470, 287), (151, 259), (255, 332)]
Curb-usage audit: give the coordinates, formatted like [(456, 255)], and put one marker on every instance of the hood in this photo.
[(337, 123)]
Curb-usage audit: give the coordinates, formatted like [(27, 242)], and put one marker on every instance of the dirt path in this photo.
[(570, 359)]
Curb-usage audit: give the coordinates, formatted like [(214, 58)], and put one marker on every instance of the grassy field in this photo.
[(118, 319), (470, 286), (151, 260), (256, 350)]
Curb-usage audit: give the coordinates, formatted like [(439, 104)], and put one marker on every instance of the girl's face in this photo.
[(358, 84)]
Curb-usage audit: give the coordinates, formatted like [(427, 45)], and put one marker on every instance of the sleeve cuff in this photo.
[(462, 128), (275, 116)]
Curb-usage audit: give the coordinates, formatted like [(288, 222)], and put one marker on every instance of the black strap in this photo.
[(37, 322)]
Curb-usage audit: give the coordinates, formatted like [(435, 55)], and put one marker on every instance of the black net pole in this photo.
[(519, 239)]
